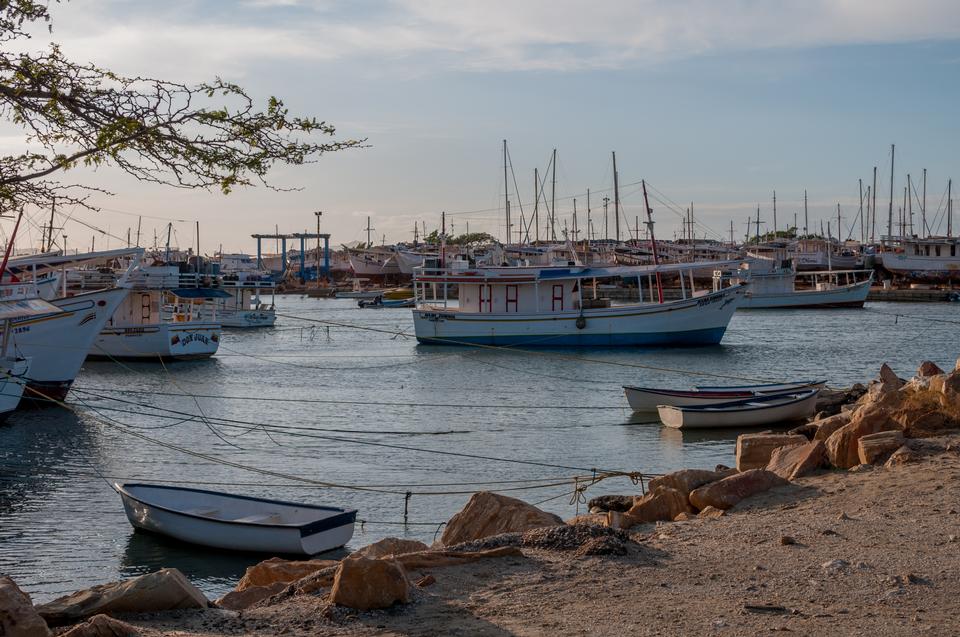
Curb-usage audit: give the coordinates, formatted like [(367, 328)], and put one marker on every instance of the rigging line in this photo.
[(323, 401), (284, 429), (576, 359), (340, 368), (914, 317)]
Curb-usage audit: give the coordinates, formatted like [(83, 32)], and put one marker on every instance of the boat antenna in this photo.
[(653, 241)]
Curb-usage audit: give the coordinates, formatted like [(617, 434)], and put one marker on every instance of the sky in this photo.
[(714, 103)]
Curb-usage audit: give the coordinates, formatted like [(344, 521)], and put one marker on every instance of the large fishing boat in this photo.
[(929, 259), (558, 306), (243, 305), (775, 283), (161, 317)]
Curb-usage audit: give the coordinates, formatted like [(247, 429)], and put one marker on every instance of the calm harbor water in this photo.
[(362, 407)]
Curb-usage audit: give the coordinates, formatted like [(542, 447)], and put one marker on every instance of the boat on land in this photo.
[(757, 411), (554, 306), (648, 399), (925, 260), (236, 522)]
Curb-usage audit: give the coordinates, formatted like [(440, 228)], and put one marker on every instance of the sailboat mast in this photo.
[(553, 199), (860, 214), (53, 208), (873, 208), (616, 197), (806, 219), (369, 229), (774, 215), (950, 208), (506, 190), (923, 208), (909, 203), (536, 204), (653, 241), (890, 211)]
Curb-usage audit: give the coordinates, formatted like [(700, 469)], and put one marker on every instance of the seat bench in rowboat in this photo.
[(236, 522)]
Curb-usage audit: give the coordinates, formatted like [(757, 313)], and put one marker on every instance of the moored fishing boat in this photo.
[(548, 307), (757, 411), (775, 283), (236, 522), (648, 399), (243, 307)]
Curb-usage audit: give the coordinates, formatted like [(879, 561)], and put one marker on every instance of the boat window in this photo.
[(916, 249), (926, 250), (512, 294), (558, 298), (486, 298), (953, 249), (145, 308), (937, 249)]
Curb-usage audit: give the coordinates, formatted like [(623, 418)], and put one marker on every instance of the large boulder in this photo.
[(18, 618), (842, 448), (928, 369), (102, 626), (389, 546), (877, 448), (279, 570), (240, 600), (902, 456), (686, 480), (610, 503), (661, 504), (166, 589), (826, 426), (754, 450), (796, 461), (366, 584), (489, 514), (729, 491)]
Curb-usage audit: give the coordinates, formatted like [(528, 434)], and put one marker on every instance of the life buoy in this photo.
[(581, 322)]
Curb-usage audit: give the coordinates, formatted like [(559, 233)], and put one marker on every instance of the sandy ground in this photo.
[(874, 552)]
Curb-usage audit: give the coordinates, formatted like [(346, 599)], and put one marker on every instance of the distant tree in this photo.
[(73, 114)]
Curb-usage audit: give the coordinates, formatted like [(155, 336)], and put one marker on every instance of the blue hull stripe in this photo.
[(711, 336)]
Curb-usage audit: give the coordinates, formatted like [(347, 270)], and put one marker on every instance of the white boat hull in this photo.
[(237, 535), (57, 344), (921, 268), (246, 318), (854, 295), (368, 267), (690, 322), (13, 381), (649, 400), (725, 418), (168, 341)]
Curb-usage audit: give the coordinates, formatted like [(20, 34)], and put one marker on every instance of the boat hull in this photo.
[(309, 539), (691, 322), (248, 318), (921, 268), (12, 383), (704, 418), (166, 341), (647, 399), (57, 344), (854, 295)]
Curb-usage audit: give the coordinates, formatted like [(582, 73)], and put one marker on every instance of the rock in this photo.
[(754, 450), (683, 517), (711, 512), (808, 430), (842, 445), (610, 503), (729, 491), (437, 559), (661, 503), (389, 546), (889, 381), (279, 570), (903, 455), (786, 540), (491, 514), (599, 519), (18, 618), (834, 566), (425, 581), (877, 448), (241, 600), (796, 461), (166, 589), (102, 626), (928, 369), (366, 584), (827, 426), (722, 468), (608, 545), (686, 480)]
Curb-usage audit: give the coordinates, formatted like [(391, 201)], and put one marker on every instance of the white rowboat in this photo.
[(649, 399), (752, 412), (236, 522)]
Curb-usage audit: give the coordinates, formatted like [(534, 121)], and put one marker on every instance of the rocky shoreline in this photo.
[(846, 524)]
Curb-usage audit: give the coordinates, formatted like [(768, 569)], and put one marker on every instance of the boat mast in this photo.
[(139, 222), (606, 219), (949, 208), (890, 211), (506, 190), (758, 224), (774, 215), (909, 204), (6, 257), (536, 204), (653, 241), (860, 214), (588, 216), (873, 208), (923, 208), (53, 207), (553, 199), (169, 230), (806, 220), (616, 197), (369, 230)]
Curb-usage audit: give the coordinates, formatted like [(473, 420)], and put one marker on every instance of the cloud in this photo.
[(493, 35)]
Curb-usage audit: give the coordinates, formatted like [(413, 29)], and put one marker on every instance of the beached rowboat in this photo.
[(648, 398), (752, 412), (236, 522)]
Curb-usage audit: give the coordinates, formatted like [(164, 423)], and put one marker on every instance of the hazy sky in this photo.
[(713, 102)]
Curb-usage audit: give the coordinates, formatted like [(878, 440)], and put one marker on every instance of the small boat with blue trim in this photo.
[(648, 399), (236, 522), (757, 411)]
